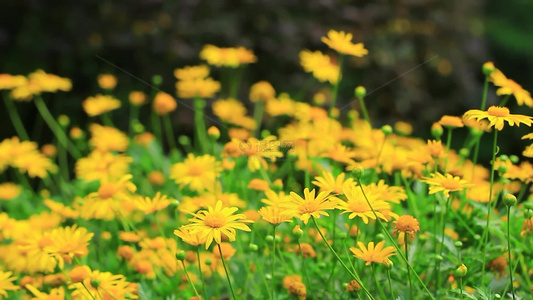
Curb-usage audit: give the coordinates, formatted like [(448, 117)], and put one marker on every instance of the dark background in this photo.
[(424, 56)]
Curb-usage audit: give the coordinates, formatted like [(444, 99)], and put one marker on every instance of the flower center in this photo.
[(309, 207), (451, 184), (214, 220), (195, 170), (107, 190), (358, 206), (497, 111)]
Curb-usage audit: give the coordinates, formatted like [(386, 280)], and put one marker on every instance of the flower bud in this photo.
[(509, 200), (488, 68), (528, 204), (269, 239), (95, 283), (504, 157), (63, 120), (298, 232), (458, 244), (386, 129), (360, 92), (528, 213), (277, 238), (208, 262), (184, 140), (461, 271), (358, 172), (388, 264), (342, 235), (514, 159), (157, 80), (464, 152), (502, 169), (180, 255), (213, 133), (253, 247), (380, 236), (436, 130)]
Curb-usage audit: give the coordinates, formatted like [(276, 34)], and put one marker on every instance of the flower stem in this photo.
[(365, 111), (199, 124), (509, 250), (484, 237), (304, 270), (485, 89), (380, 290), (200, 271), (189, 279), (227, 273), (170, 134), (258, 116), (15, 118), (272, 263), (390, 284), (354, 275), (448, 145), (336, 87), (461, 286), (392, 240), (408, 269), (56, 129)]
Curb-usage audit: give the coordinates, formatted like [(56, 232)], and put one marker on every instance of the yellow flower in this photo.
[(100, 104), (275, 215), (150, 205), (164, 103), (185, 235), (327, 182), (8, 81), (275, 199), (53, 294), (320, 65), (61, 209), (9, 191), (107, 139), (451, 121), (67, 243), (227, 57), (407, 224), (214, 222), (309, 206), (342, 43), (357, 205), (38, 82), (137, 98), (262, 91), (102, 166), (497, 117), (198, 173), (445, 183), (192, 72), (6, 283), (202, 88), (509, 86), (373, 253), (258, 184), (283, 105), (107, 81), (34, 163), (228, 109), (104, 285)]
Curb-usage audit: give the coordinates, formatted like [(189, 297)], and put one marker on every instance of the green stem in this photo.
[(56, 129), (201, 273), (134, 117), (336, 87), (365, 111), (258, 116), (354, 275), (392, 240), (170, 134), (272, 263), (504, 101), (189, 279), (408, 270), (390, 284), (106, 119), (199, 124), (380, 290), (15, 118), (227, 273), (484, 237), (461, 286), (304, 270), (485, 89), (448, 145), (258, 264), (509, 250)]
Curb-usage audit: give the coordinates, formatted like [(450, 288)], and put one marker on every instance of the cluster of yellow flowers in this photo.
[(363, 192)]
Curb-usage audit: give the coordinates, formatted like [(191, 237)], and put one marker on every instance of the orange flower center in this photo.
[(451, 184), (358, 206), (407, 224), (195, 170), (497, 111), (214, 220), (107, 190), (309, 207)]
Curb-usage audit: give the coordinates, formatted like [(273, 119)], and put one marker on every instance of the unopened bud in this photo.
[(213, 133), (157, 80), (509, 200), (386, 129), (180, 255), (461, 271), (360, 92), (253, 247), (358, 172), (436, 130), (488, 68)]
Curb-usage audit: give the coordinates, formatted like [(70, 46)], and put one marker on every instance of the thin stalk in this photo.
[(106, 119), (380, 290), (200, 271), (15, 118), (484, 237), (448, 145), (56, 129), (199, 124), (485, 89), (170, 134), (272, 263), (304, 270), (354, 275), (365, 111), (392, 240), (134, 116), (390, 285), (408, 269), (189, 279), (227, 273), (441, 245), (335, 90), (461, 286), (258, 264), (509, 250), (258, 116), (504, 101)]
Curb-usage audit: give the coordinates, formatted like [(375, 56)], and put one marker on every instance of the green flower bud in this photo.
[(458, 244), (277, 238), (514, 159), (360, 92), (436, 130), (386, 129), (464, 152), (184, 140), (488, 68), (208, 262), (269, 239), (461, 271), (95, 283), (509, 200), (157, 80), (528, 204), (63, 120), (358, 172), (180, 255), (504, 157), (253, 247)]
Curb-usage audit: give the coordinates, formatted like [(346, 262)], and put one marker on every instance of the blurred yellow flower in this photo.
[(107, 139), (192, 72), (107, 81), (227, 57), (137, 98), (445, 183), (67, 243), (150, 205), (100, 104), (262, 91), (497, 117), (509, 86), (201, 88), (341, 42), (102, 166), (6, 283), (320, 66), (164, 103), (9, 191), (372, 253), (196, 172)]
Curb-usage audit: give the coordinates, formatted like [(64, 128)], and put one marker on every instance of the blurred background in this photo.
[(424, 57)]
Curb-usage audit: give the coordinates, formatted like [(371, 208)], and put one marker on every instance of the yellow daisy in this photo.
[(196, 172), (150, 205), (357, 205), (445, 183), (214, 222), (100, 104), (341, 42), (509, 86), (497, 117), (6, 283), (327, 182), (373, 253), (275, 215), (309, 206)]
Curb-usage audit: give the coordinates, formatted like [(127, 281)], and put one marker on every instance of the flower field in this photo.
[(273, 196)]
